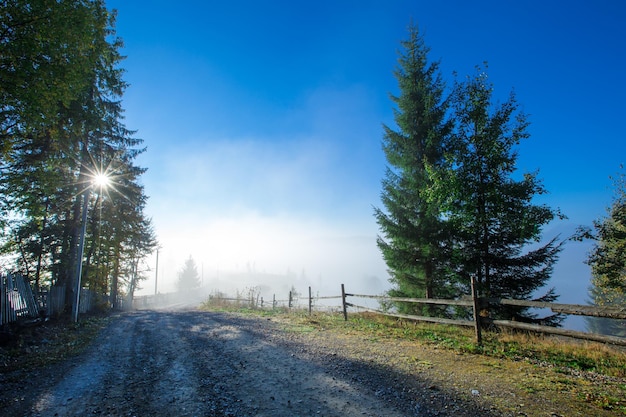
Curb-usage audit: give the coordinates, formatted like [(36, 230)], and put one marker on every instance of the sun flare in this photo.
[(101, 180)]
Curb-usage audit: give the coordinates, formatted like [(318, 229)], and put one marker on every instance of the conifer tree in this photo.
[(490, 210), (61, 122), (608, 258), (413, 241), (188, 278), (44, 50), (608, 261)]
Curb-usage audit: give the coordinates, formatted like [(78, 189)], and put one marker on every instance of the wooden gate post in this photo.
[(310, 301), (290, 299), (476, 308), (343, 302)]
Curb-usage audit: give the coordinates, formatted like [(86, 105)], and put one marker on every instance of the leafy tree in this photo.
[(188, 278), (413, 242), (491, 211)]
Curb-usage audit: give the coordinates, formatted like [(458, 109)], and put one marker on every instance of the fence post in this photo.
[(476, 308), (343, 302), (261, 302), (310, 301), (273, 301), (290, 299)]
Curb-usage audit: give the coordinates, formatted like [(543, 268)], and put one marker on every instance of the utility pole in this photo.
[(156, 272), (80, 254)]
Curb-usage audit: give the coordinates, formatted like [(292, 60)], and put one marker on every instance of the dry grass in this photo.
[(523, 373)]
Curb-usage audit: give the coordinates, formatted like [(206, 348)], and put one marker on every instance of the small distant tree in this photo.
[(188, 277)]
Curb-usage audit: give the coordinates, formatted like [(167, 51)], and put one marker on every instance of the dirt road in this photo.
[(197, 363)]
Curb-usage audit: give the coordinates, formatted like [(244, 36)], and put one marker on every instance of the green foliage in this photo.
[(414, 242), (453, 207), (608, 262), (491, 213), (608, 258), (61, 124)]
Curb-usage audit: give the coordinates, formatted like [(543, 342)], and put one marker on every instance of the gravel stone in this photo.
[(199, 363)]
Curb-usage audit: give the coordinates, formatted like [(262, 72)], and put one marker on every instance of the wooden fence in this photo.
[(478, 322), (18, 301), (474, 303), (55, 300)]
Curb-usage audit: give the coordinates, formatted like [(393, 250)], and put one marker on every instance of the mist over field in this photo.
[(272, 256), (267, 174)]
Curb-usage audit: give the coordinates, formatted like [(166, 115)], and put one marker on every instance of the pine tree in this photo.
[(608, 258), (188, 278), (414, 240), (608, 261), (56, 139), (491, 212), (44, 50)]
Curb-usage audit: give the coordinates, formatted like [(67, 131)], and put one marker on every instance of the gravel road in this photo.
[(198, 363)]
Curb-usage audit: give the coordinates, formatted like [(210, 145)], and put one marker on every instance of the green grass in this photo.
[(557, 352)]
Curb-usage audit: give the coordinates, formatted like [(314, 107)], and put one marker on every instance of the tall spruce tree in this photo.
[(44, 54), (491, 211), (62, 122), (414, 241)]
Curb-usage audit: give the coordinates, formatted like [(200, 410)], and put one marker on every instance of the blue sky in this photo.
[(263, 121)]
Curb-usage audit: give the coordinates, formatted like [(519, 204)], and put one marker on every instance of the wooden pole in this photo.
[(310, 301), (290, 299), (476, 308), (343, 302), (156, 272)]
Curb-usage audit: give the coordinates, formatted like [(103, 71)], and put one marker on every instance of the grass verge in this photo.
[(48, 343), (589, 378)]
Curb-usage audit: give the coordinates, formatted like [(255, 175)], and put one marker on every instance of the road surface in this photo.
[(199, 363)]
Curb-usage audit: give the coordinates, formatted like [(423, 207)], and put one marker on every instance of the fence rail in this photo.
[(477, 321), (476, 303)]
